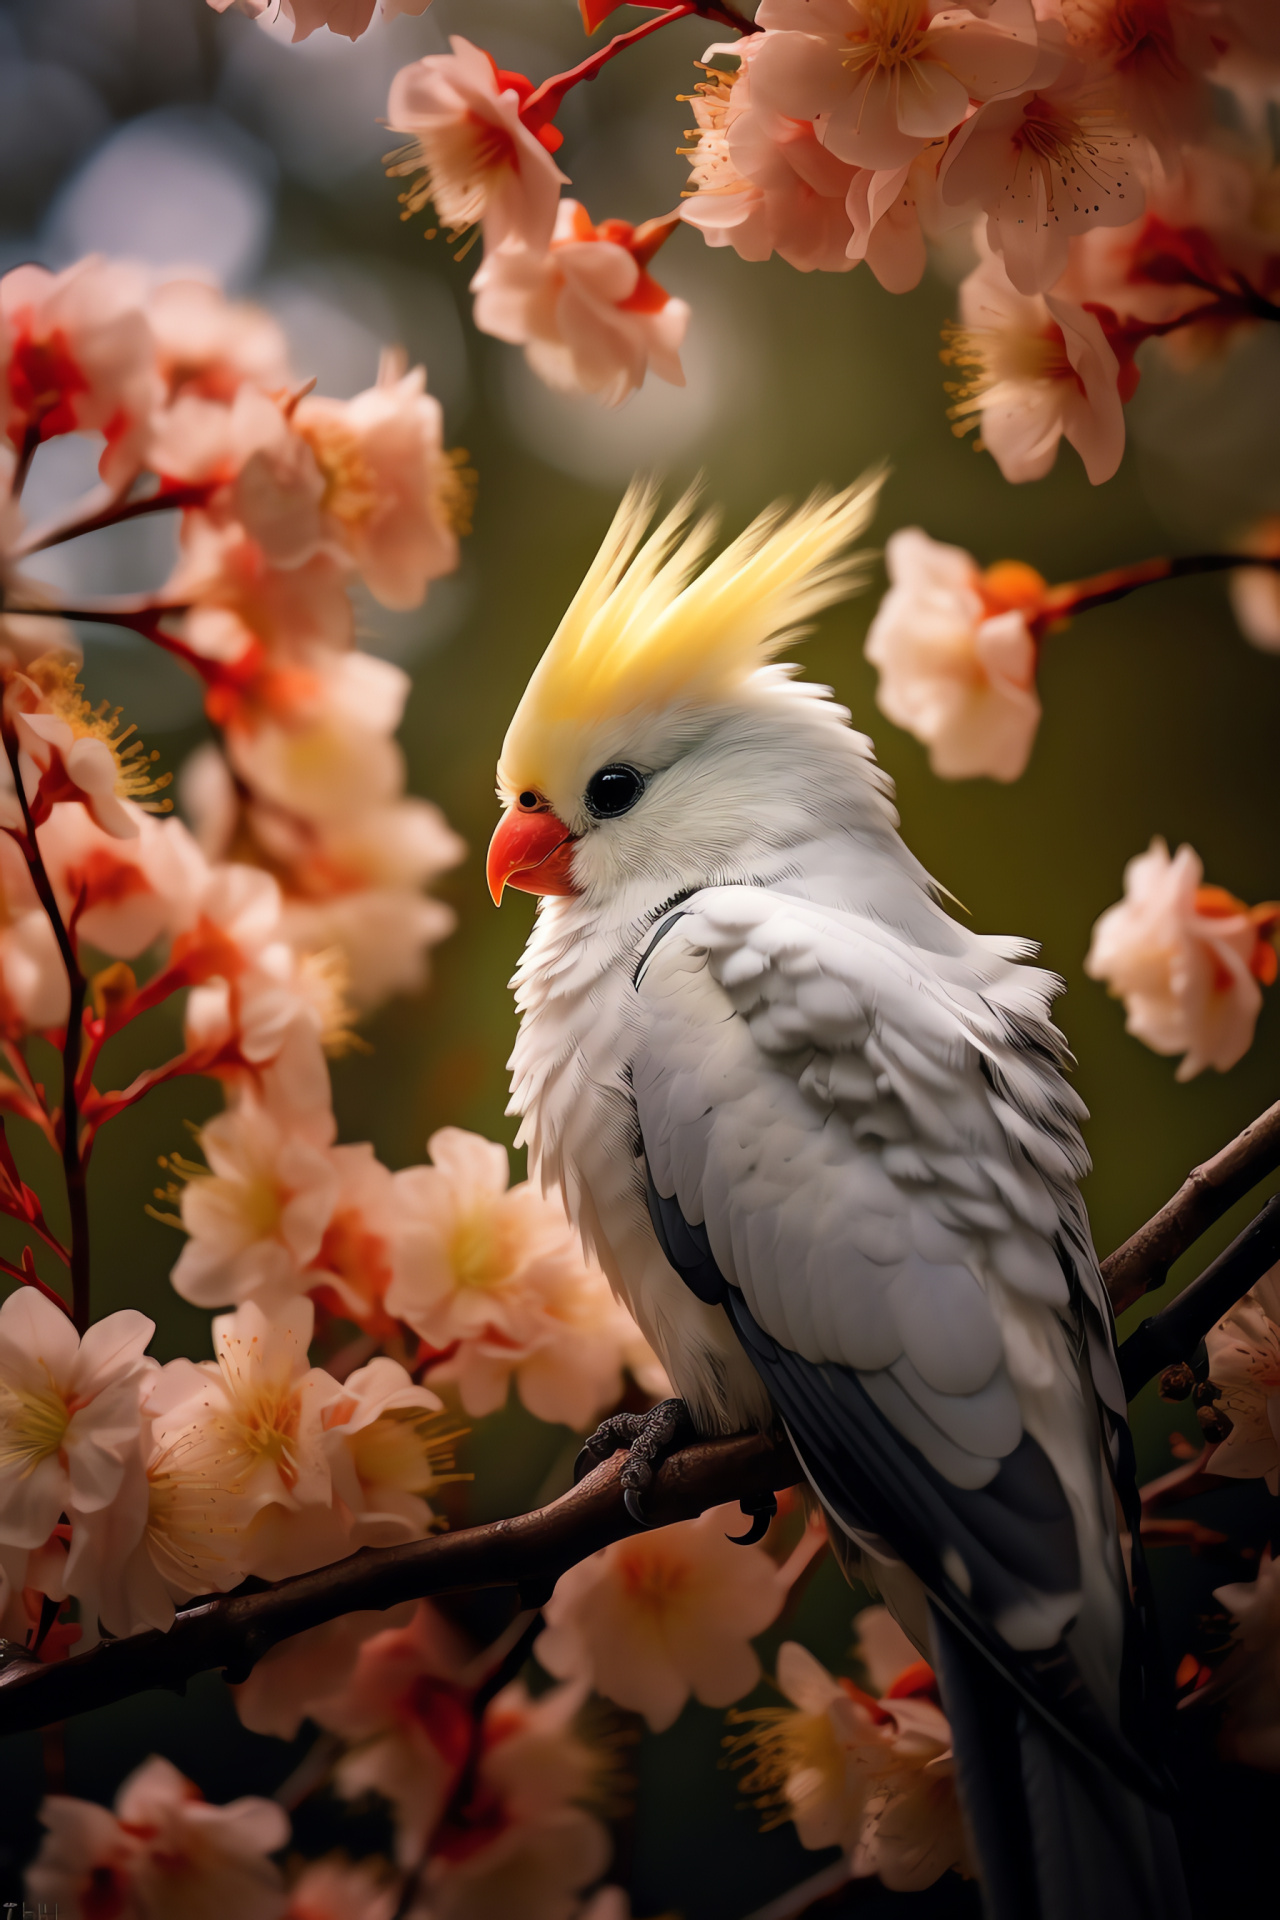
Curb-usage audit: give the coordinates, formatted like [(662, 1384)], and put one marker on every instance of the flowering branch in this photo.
[(74, 1169), (166, 499), (1079, 596), (529, 1552), (1208, 1191), (544, 102)]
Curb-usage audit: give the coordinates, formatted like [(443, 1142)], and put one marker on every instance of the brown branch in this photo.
[(1208, 1191), (529, 1552)]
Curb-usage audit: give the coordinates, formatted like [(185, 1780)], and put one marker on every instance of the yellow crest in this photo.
[(651, 627)]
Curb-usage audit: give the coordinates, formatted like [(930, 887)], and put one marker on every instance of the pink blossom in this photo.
[(956, 658), (295, 1673), (332, 756), (70, 751), (393, 495), (406, 1709), (761, 183), (1038, 369), (1186, 959), (263, 1407), (127, 893), (77, 356), (588, 313), (1244, 1361), (209, 345), (654, 1619), (238, 598), (1250, 1677), (1205, 224), (880, 79), (475, 158), (493, 1279), (257, 1218), (1156, 54), (349, 18), (884, 210), (69, 1415), (354, 1262), (336, 1890), (1044, 166), (264, 474), (386, 1453), (912, 1831), (1255, 591), (165, 1851)]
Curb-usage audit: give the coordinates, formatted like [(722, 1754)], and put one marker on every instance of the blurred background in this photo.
[(154, 129)]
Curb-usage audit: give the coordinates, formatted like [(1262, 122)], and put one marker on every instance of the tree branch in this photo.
[(1208, 1191), (529, 1552), (1177, 1330)]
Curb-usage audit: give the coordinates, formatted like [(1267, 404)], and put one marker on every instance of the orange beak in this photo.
[(531, 851)]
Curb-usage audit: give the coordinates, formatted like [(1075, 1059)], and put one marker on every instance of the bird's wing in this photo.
[(867, 1153)]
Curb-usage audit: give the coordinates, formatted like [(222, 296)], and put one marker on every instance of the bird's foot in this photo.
[(648, 1438), (760, 1512)]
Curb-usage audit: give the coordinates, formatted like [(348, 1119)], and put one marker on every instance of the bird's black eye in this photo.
[(530, 802), (613, 790)]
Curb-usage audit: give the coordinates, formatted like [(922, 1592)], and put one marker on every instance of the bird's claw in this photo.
[(631, 1501), (648, 1438), (760, 1512)]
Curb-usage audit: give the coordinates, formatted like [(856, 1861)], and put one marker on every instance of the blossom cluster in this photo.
[(577, 296), (1080, 145)]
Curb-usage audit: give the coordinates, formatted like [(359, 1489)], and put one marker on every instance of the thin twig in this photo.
[(166, 500), (73, 1165), (1080, 596), (1209, 1191), (528, 1552)]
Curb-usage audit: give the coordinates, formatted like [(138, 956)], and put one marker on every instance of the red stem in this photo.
[(73, 1160), (1078, 596), (30, 1278), (167, 499), (544, 102)]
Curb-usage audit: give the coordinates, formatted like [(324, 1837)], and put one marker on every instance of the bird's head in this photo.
[(656, 746)]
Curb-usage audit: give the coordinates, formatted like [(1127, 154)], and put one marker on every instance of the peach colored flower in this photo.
[(1186, 959), (209, 345), (282, 1687), (1156, 54), (1251, 1727), (1021, 160), (238, 598), (1038, 369), (393, 496), (176, 1529), (493, 1278), (880, 79), (332, 756), (1244, 1360), (164, 1852), (761, 183), (521, 1846), (350, 18), (69, 1414), (912, 1830), (77, 356), (665, 1615), (405, 1707), (386, 1453), (257, 1218), (472, 153), (70, 751), (126, 893), (589, 315), (956, 658), (264, 474), (336, 1890), (1255, 591), (803, 1760), (260, 1403)]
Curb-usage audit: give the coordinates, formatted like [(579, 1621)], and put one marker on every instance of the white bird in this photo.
[(818, 1136)]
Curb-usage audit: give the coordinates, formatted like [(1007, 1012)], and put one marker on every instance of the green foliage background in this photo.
[(1158, 719)]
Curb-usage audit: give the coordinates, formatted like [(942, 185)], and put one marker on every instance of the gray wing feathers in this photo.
[(881, 1148)]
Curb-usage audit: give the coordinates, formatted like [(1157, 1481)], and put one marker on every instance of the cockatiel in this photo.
[(817, 1134)]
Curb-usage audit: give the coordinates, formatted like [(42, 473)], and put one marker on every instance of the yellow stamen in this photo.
[(64, 696)]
